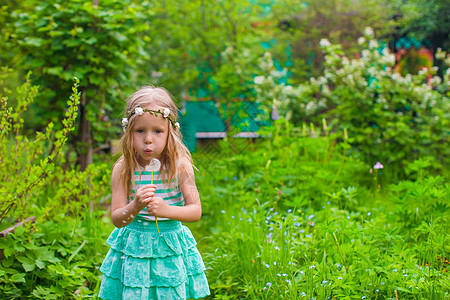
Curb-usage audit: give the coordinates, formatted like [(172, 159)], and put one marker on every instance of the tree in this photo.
[(100, 45), (206, 50), (302, 24), (424, 19)]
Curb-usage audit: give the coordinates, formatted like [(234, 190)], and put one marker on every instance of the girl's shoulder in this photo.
[(185, 168), (118, 169), (118, 165)]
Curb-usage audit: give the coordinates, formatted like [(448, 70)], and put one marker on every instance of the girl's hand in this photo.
[(158, 207), (144, 195)]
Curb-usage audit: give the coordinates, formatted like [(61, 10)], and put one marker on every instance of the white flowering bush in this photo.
[(389, 117), (271, 94)]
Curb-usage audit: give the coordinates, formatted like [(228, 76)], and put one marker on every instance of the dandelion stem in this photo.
[(156, 218)]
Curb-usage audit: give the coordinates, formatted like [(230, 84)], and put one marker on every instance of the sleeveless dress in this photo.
[(145, 264)]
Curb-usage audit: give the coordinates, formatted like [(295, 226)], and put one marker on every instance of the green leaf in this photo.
[(33, 41), (40, 264), (90, 41), (76, 251), (24, 259), (19, 231), (55, 70), (18, 277), (118, 36), (9, 251), (28, 267)]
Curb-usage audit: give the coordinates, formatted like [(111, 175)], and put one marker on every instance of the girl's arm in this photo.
[(192, 209), (122, 213)]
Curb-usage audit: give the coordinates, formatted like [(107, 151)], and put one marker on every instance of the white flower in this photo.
[(139, 111), (365, 53), (321, 80), (324, 43), (361, 40), (124, 122), (373, 44), (436, 80), (423, 71), (166, 112), (368, 31), (177, 125), (258, 79), (440, 54)]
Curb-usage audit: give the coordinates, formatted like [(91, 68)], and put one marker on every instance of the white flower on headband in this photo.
[(139, 111), (124, 124), (166, 112), (177, 125)]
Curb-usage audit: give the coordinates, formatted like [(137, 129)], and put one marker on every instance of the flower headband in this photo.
[(140, 111)]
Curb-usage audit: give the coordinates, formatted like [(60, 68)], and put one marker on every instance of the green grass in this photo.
[(293, 217)]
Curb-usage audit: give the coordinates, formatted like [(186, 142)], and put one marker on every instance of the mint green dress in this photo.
[(145, 264)]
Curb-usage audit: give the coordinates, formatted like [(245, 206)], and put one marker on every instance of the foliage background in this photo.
[(299, 213)]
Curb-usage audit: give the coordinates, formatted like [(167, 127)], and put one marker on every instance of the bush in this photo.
[(59, 256), (390, 118)]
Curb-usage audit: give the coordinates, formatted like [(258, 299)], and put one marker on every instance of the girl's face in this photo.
[(150, 135)]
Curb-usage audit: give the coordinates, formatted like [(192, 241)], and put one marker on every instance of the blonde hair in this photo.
[(175, 157)]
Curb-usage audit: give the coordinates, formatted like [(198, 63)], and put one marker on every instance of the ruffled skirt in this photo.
[(143, 264)]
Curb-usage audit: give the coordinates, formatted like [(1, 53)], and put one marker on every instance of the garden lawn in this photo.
[(292, 216)]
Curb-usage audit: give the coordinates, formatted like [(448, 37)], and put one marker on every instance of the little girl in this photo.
[(152, 255)]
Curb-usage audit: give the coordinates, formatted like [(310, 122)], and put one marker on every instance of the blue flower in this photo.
[(269, 284)]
